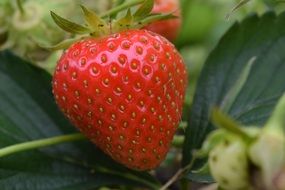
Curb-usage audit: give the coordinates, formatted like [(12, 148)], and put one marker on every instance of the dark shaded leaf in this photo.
[(261, 37)]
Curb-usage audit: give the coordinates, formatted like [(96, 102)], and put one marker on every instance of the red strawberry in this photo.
[(167, 28), (125, 93)]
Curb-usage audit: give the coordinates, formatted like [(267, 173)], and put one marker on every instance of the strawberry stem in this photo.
[(121, 7), (179, 174), (40, 144), (116, 4), (20, 6), (220, 119), (178, 141)]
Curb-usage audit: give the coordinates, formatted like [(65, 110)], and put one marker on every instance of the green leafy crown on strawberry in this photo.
[(108, 24)]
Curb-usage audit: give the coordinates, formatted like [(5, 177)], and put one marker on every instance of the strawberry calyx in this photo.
[(100, 26)]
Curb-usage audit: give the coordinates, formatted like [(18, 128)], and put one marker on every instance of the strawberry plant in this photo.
[(118, 112)]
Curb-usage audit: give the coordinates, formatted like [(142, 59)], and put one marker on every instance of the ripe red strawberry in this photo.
[(167, 28), (125, 93)]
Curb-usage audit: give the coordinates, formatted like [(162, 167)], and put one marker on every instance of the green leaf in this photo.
[(261, 37), (237, 86), (69, 26), (144, 9), (28, 112), (62, 45), (97, 24), (200, 177), (124, 22)]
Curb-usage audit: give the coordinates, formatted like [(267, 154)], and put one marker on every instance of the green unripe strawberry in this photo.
[(229, 164)]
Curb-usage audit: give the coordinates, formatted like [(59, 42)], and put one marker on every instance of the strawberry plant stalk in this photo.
[(40, 144), (121, 7), (20, 6), (179, 174)]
